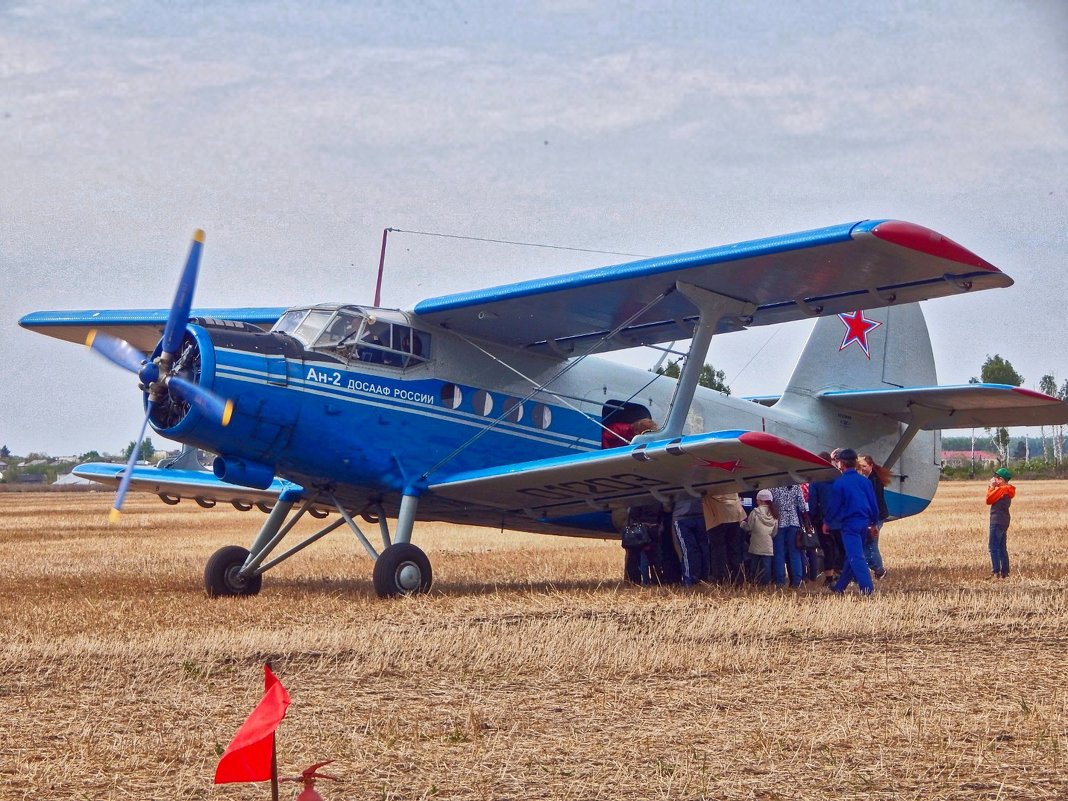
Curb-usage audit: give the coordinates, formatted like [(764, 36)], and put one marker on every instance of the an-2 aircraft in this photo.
[(484, 407)]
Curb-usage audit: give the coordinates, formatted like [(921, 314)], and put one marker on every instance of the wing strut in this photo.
[(713, 308), (920, 417)]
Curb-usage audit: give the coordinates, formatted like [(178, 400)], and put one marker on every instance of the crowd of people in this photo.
[(825, 531)]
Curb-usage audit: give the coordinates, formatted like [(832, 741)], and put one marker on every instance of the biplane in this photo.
[(487, 407)]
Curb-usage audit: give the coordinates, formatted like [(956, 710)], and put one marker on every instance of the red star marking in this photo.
[(857, 329), (730, 467)]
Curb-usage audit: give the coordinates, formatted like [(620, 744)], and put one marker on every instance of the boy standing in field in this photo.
[(999, 495)]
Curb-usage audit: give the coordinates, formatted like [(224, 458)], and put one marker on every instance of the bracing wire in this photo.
[(571, 363), (521, 244)]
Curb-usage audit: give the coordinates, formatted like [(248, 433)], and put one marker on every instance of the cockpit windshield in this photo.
[(356, 334)]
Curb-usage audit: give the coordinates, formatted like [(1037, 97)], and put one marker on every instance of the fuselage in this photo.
[(369, 417)]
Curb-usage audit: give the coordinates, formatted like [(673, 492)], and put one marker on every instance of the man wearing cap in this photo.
[(999, 495), (851, 509)]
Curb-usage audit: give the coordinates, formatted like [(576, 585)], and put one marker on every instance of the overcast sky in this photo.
[(293, 133)]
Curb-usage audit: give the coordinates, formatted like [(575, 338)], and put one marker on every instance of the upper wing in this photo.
[(828, 271), (636, 475), (142, 328), (963, 406)]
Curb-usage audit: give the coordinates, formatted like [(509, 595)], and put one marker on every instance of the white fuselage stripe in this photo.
[(248, 376)]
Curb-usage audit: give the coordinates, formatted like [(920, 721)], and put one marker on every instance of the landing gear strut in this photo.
[(400, 569)]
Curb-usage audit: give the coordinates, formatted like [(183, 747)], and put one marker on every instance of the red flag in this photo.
[(248, 756)]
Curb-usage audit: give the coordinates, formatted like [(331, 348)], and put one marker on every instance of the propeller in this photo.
[(159, 376)]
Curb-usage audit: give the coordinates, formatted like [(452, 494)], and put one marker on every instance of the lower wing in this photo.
[(598, 481), (173, 484)]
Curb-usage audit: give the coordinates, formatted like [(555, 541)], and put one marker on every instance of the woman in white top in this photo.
[(762, 527)]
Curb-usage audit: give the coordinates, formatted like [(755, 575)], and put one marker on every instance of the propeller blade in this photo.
[(115, 350), (183, 298), (205, 400), (120, 496)]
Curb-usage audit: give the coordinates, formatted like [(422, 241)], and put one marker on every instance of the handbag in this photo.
[(806, 537), (636, 535)]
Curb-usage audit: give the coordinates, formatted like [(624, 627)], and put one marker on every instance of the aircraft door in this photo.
[(618, 417), (277, 372)]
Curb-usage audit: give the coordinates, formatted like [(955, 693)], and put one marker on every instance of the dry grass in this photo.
[(531, 672)]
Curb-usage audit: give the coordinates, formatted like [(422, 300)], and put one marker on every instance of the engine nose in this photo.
[(174, 412), (249, 368)]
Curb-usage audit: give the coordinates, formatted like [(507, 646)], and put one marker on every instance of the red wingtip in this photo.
[(1030, 393), (916, 237), (773, 444)]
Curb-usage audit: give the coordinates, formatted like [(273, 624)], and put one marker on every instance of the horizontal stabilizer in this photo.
[(963, 406), (142, 328), (723, 461)]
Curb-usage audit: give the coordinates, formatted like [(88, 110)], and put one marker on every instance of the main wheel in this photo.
[(222, 573), (402, 569)]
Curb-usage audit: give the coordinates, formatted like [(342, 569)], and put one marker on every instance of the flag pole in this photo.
[(274, 757), (274, 770)]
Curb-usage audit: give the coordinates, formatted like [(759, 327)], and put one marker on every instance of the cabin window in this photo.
[(542, 416), (451, 396), (513, 410), (483, 403)]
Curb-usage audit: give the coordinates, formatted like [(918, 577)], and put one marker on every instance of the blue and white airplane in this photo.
[(488, 408)]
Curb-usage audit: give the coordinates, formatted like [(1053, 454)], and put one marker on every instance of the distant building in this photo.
[(983, 459), (31, 478)]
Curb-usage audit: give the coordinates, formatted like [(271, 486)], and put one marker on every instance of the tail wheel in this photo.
[(222, 575), (402, 569)]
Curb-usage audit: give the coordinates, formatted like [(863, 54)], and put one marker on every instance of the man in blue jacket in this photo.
[(851, 509)]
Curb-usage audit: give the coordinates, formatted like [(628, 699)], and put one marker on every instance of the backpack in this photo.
[(636, 535)]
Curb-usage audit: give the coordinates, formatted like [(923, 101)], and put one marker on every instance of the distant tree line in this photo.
[(41, 464), (1042, 455)]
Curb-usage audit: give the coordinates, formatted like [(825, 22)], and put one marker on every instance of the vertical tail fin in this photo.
[(874, 349), (883, 348)]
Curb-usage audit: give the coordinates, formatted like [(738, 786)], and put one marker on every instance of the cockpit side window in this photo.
[(289, 321), (351, 335), (342, 331), (308, 331)]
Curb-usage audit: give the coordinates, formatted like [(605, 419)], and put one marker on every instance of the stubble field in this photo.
[(530, 671)]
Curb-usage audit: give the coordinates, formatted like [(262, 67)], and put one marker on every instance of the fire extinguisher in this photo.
[(308, 777)]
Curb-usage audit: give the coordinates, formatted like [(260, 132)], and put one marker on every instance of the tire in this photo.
[(220, 574), (402, 569)]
